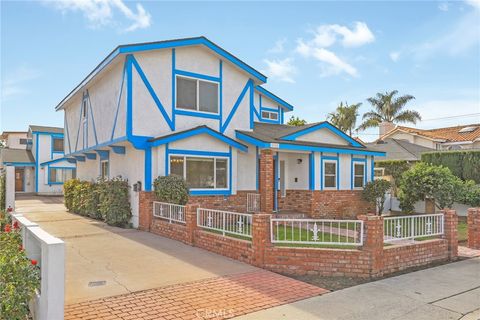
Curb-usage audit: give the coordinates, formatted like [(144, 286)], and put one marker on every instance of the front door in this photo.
[(19, 173)]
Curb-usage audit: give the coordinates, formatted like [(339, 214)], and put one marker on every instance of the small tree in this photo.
[(171, 189), (428, 181), (296, 121), (374, 192)]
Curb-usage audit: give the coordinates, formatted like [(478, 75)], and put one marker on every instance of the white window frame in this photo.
[(270, 115), (214, 170), (364, 174), (198, 95), (324, 174), (107, 175), (382, 173)]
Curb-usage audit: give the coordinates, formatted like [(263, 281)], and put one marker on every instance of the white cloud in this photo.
[(101, 13), (394, 55), (444, 6), (279, 46), (328, 34), (334, 65), (282, 70), (14, 83), (474, 3)]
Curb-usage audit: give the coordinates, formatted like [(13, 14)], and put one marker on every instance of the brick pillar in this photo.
[(429, 206), (373, 242), (451, 233), (266, 181), (191, 222), (473, 222), (145, 210), (260, 237)]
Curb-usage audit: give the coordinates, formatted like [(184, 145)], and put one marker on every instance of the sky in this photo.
[(315, 54)]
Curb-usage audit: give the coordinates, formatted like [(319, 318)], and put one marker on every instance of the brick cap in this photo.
[(368, 217)]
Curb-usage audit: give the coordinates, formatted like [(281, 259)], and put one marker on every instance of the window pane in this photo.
[(59, 177), (359, 169), (176, 166), (200, 172), (186, 93), (358, 182), (53, 175), (208, 98), (58, 145), (221, 173), (265, 114), (74, 173), (330, 182), (330, 168), (104, 170), (273, 115)]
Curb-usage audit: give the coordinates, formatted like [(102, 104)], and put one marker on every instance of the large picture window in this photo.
[(330, 174), (57, 144), (358, 175), (60, 175), (197, 95), (201, 172)]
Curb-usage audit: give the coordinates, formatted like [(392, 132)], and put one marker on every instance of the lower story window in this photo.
[(330, 174), (60, 175), (104, 169), (201, 172), (359, 175)]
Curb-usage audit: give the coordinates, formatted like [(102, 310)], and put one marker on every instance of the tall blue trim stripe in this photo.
[(129, 119), (230, 169), (257, 180), (67, 131), (173, 88), (152, 92), (148, 169), (275, 183), (274, 98), (167, 164), (196, 75), (36, 160), (79, 123), (311, 158), (93, 118), (372, 168), (119, 99), (237, 103), (220, 76), (319, 126)]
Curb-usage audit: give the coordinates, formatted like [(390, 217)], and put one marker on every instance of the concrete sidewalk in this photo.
[(451, 291)]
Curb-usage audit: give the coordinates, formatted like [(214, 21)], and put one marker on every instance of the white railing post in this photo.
[(223, 226)]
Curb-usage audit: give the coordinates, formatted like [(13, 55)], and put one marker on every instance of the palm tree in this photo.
[(389, 108), (345, 117)]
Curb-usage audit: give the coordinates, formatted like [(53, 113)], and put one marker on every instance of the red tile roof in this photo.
[(450, 134)]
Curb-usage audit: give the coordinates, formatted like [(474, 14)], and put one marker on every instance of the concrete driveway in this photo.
[(451, 291), (104, 261)]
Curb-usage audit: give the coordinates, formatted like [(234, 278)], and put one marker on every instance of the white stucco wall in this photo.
[(246, 169), (29, 179), (13, 140), (295, 170), (323, 136)]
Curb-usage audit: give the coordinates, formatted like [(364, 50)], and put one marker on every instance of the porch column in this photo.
[(9, 187), (266, 181)]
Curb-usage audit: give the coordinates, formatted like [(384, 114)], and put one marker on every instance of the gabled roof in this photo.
[(5, 134), (179, 135), (447, 134), (396, 149), (35, 128), (145, 46), (8, 155), (274, 97)]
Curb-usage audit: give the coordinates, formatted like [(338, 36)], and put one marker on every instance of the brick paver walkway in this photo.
[(216, 298), (466, 252)]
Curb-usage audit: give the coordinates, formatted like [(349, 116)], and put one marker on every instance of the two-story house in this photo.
[(190, 108), (34, 161)]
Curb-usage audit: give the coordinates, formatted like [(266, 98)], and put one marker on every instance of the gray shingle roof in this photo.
[(399, 149), (46, 129), (16, 155)]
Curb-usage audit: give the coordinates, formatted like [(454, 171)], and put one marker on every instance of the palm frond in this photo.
[(409, 116)]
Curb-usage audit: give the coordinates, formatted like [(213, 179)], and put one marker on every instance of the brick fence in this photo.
[(373, 259), (473, 227)]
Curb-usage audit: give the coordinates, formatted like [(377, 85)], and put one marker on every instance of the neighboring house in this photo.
[(396, 149), (34, 160), (190, 108), (449, 138)]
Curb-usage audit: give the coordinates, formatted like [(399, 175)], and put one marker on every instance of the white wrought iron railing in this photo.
[(411, 227), (253, 202), (225, 222), (169, 211), (317, 231)]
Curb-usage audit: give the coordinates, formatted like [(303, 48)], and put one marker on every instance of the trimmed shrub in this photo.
[(394, 168), (463, 164), (3, 191), (68, 193), (171, 189), (374, 192), (470, 194), (114, 206)]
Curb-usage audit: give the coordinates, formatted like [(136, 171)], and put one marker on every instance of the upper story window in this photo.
[(358, 175), (197, 95), (25, 141), (201, 172), (270, 115), (57, 144), (330, 174)]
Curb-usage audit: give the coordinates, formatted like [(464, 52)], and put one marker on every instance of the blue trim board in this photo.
[(372, 168), (174, 83), (270, 95), (197, 114), (90, 155), (167, 162), (119, 99), (37, 146), (198, 153), (311, 170), (53, 161), (352, 168), (248, 85), (275, 182), (257, 180), (20, 164), (337, 160), (220, 76), (80, 158), (196, 75), (118, 149), (319, 126), (103, 154), (288, 146), (129, 131), (93, 118), (148, 169)]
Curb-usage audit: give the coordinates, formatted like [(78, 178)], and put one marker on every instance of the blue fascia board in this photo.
[(53, 134), (288, 146), (197, 114), (101, 145), (80, 158), (196, 75), (212, 192), (270, 95), (118, 149), (319, 126), (202, 130), (90, 155), (268, 109), (103, 154), (71, 160), (20, 164), (198, 153), (53, 161)]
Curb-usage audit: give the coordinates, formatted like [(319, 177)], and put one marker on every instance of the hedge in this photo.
[(463, 164), (171, 189), (2, 191), (105, 200)]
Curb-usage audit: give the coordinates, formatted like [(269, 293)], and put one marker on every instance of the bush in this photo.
[(374, 192), (171, 189), (394, 168), (463, 164), (470, 194), (2, 191), (113, 202), (68, 193), (19, 277), (423, 181)]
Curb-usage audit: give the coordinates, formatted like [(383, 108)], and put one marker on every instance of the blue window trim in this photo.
[(352, 168), (183, 112), (319, 126), (322, 180), (119, 98), (270, 95), (148, 169), (20, 164), (311, 167), (275, 182), (206, 154), (248, 86), (257, 169), (288, 146), (49, 182), (372, 168)]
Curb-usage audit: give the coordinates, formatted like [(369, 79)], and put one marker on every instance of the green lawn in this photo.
[(462, 229)]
